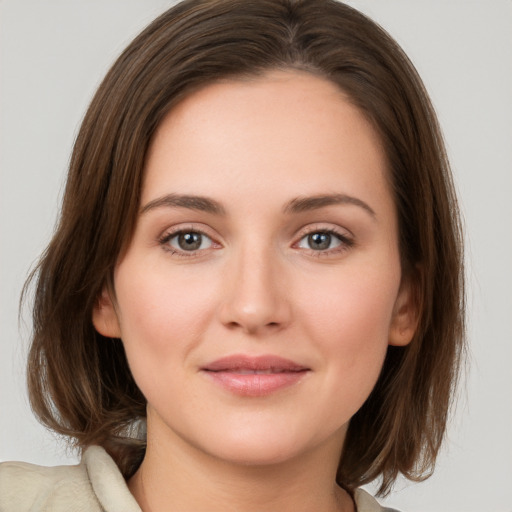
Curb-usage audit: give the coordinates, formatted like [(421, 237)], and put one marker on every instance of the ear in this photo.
[(406, 313), (104, 316)]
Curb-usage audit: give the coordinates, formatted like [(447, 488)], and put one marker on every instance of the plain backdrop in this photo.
[(55, 52)]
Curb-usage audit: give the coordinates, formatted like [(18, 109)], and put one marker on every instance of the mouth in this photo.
[(254, 376), (247, 371)]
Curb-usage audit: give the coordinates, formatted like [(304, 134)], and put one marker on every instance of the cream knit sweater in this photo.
[(95, 485)]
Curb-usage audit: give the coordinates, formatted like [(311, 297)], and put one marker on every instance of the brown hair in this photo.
[(79, 382)]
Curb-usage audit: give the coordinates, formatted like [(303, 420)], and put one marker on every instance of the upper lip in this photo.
[(255, 363)]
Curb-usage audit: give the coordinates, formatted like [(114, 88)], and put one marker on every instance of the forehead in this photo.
[(283, 128)]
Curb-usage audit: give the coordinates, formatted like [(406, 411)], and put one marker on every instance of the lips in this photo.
[(254, 376)]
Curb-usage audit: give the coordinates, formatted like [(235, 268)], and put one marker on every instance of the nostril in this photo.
[(252, 327), (249, 309)]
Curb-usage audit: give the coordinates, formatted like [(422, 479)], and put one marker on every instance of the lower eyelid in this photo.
[(172, 232), (343, 244), (345, 241), (205, 239), (343, 237), (167, 237)]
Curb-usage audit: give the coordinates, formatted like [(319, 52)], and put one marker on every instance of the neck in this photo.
[(177, 476)]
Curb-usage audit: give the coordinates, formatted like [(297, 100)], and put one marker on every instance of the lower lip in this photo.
[(255, 384)]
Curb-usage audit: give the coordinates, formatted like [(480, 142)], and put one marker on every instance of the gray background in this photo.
[(53, 55)]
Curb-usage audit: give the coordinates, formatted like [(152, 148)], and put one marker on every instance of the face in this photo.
[(262, 285)]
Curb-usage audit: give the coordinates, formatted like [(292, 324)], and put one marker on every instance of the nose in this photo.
[(255, 297)]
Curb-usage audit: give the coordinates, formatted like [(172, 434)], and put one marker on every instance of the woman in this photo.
[(258, 217)]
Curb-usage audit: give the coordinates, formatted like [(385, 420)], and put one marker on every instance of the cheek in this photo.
[(351, 325), (162, 318), (355, 306)]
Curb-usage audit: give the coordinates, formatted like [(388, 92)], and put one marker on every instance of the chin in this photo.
[(263, 454), (265, 447)]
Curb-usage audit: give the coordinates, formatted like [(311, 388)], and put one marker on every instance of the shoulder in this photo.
[(95, 485), (29, 487), (367, 503)]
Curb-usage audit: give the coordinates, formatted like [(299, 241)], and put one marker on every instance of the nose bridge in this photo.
[(255, 298)]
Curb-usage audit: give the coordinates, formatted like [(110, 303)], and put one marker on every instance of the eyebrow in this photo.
[(297, 205), (303, 204), (200, 203)]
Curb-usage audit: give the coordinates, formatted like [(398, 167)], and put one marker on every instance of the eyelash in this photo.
[(345, 242), (168, 236)]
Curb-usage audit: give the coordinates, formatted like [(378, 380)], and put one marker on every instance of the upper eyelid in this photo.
[(345, 236), (165, 238), (171, 234), (325, 228), (168, 234), (339, 231), (342, 238), (186, 228)]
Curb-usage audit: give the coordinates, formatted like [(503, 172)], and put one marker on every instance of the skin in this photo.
[(255, 286)]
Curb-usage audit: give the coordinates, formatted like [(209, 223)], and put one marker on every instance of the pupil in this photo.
[(189, 241), (319, 241)]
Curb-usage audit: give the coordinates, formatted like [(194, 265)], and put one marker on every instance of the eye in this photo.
[(324, 240), (187, 241)]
